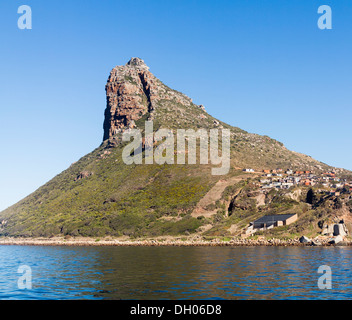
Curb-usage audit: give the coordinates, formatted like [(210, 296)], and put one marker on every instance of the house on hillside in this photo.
[(307, 182), (271, 221), (275, 220)]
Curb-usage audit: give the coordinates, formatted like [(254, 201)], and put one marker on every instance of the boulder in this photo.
[(336, 240), (304, 239), (316, 243)]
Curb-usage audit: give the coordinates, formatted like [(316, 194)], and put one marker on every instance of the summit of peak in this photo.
[(132, 92), (137, 62)]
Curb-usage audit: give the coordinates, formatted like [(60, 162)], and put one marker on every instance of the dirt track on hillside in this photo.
[(215, 194)]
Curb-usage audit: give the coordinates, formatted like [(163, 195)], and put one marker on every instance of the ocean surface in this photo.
[(34, 272)]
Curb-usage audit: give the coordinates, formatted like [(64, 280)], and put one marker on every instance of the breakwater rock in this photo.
[(163, 242)]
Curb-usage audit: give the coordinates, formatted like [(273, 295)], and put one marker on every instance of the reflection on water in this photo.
[(175, 272)]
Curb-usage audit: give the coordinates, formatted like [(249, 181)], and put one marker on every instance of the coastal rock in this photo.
[(316, 243), (304, 239), (336, 240)]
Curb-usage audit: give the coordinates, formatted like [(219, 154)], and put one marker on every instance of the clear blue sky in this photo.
[(263, 66)]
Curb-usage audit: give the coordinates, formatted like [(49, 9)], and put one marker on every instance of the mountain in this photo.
[(101, 195)]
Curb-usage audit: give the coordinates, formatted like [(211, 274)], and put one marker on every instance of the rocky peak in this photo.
[(137, 62), (132, 92)]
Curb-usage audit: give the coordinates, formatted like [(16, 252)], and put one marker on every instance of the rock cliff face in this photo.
[(132, 91)]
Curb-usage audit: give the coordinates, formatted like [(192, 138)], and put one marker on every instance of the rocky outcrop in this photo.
[(335, 229), (202, 107), (336, 240), (304, 239), (170, 242), (132, 92), (83, 175), (128, 96)]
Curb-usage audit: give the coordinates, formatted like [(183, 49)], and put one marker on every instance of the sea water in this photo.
[(63, 272)]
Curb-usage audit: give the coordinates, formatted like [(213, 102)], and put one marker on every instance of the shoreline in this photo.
[(80, 242)]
